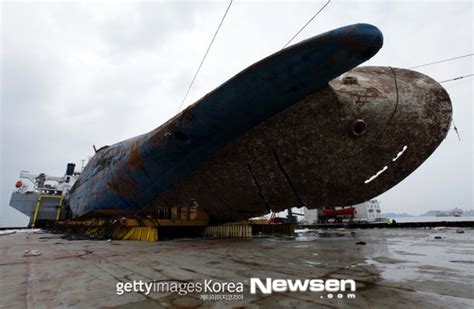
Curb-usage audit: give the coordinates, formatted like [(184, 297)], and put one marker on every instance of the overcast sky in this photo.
[(74, 74)]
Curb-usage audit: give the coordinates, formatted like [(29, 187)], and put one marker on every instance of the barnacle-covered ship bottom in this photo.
[(342, 145)]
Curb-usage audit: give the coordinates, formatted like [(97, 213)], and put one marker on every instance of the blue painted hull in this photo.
[(132, 174)]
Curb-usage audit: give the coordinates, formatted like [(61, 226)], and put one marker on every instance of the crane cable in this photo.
[(307, 23), (448, 80), (455, 78), (205, 55), (440, 61)]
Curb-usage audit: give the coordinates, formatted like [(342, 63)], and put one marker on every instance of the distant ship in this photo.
[(456, 212)]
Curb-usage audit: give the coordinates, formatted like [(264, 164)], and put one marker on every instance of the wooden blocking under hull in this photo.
[(229, 231), (247, 230), (148, 229)]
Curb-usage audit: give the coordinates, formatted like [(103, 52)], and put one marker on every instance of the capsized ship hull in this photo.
[(276, 136), (317, 154)]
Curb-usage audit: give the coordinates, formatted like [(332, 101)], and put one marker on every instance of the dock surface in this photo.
[(401, 268)]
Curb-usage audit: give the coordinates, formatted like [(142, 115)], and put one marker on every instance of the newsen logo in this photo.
[(314, 285)]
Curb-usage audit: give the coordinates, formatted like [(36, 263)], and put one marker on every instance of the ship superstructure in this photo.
[(41, 196)]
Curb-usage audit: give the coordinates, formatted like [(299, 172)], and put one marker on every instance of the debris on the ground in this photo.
[(30, 252), (4, 233), (14, 231)]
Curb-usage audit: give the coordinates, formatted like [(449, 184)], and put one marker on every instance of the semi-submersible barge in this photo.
[(302, 127)]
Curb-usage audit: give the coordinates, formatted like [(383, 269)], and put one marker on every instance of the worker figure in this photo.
[(389, 221)]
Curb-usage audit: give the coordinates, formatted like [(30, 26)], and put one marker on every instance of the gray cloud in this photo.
[(147, 25)]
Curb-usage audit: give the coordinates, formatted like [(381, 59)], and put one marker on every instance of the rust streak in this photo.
[(122, 186), (134, 159)]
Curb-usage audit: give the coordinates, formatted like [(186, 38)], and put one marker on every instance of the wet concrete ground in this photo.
[(397, 268)]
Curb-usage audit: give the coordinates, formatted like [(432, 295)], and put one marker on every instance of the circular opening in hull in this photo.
[(359, 127)]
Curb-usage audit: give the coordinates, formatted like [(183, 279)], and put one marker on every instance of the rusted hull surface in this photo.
[(308, 155), (133, 174)]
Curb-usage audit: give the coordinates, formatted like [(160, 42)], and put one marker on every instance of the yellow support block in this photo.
[(129, 234), (142, 233)]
